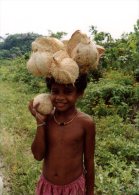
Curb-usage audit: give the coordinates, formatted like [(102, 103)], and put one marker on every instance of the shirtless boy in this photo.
[(65, 143)]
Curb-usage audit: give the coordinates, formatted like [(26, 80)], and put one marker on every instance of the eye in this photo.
[(54, 91), (68, 91)]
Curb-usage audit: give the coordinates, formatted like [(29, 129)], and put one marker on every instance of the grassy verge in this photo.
[(16, 134)]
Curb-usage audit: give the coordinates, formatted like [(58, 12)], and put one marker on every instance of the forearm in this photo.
[(89, 187), (90, 180), (38, 146), (89, 158)]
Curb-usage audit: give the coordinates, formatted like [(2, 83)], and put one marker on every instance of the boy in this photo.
[(65, 141)]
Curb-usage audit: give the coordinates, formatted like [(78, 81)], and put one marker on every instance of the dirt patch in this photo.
[(4, 180)]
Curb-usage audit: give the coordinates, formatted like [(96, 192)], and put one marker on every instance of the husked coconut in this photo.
[(43, 62), (47, 44), (45, 105), (100, 49), (60, 55), (65, 71), (65, 44), (76, 38), (31, 66), (39, 63), (87, 56)]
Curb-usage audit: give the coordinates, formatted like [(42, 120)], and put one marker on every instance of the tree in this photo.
[(17, 45), (58, 35)]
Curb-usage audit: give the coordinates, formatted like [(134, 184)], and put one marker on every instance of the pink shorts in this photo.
[(76, 187)]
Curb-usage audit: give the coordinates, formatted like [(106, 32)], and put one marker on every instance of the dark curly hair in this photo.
[(80, 83)]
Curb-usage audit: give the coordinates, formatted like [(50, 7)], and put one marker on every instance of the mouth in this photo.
[(60, 104)]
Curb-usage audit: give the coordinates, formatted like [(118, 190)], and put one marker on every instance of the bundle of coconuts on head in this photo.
[(63, 61)]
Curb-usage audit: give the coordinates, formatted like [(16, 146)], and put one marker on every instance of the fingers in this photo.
[(31, 108), (34, 112), (36, 106)]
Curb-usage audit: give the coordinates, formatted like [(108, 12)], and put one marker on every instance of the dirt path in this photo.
[(1, 182), (1, 177), (4, 181)]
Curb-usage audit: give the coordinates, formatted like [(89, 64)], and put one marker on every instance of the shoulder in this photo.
[(85, 117), (86, 120)]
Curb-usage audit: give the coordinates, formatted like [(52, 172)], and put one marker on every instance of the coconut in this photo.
[(76, 38), (31, 66), (60, 55), (86, 56), (40, 63), (64, 70), (45, 105), (65, 44), (47, 44), (43, 62), (100, 49), (84, 51)]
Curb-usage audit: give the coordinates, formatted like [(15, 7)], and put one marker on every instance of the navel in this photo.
[(55, 175)]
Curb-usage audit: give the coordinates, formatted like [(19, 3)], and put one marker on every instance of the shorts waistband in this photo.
[(80, 178)]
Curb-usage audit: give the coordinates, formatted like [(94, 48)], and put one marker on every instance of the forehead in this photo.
[(63, 86)]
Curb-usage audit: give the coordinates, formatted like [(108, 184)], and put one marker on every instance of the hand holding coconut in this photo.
[(40, 107)]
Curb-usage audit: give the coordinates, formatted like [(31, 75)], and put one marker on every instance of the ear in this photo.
[(100, 49)]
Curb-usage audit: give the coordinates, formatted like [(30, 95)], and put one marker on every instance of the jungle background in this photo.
[(111, 98)]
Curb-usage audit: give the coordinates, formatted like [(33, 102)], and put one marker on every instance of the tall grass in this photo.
[(17, 131)]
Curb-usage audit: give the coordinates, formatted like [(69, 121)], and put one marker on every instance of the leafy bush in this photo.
[(16, 45), (112, 94), (17, 71), (116, 156), (136, 74)]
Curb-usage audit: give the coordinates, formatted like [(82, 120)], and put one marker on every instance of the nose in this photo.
[(60, 97)]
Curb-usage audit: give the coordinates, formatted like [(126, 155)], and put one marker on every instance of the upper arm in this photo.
[(89, 141)]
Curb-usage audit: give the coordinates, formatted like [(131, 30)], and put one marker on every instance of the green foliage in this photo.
[(17, 71), (136, 120), (16, 45), (20, 44), (121, 54), (116, 156), (112, 94), (17, 131), (136, 74), (58, 35)]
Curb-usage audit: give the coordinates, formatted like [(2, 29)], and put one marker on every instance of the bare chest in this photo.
[(71, 134)]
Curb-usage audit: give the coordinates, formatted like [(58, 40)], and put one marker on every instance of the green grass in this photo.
[(16, 134)]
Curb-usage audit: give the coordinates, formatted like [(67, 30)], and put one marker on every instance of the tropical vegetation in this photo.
[(111, 98)]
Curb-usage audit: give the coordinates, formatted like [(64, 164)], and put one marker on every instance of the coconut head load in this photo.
[(49, 58), (64, 60)]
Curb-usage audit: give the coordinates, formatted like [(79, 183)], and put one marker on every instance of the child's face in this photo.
[(63, 96)]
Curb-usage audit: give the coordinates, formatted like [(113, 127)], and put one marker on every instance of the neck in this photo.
[(66, 112), (64, 118)]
